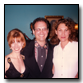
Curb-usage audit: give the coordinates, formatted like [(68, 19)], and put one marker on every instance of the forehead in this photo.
[(16, 39), (62, 26), (40, 24)]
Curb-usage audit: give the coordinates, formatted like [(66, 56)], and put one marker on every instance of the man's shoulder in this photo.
[(50, 45), (28, 47), (29, 41)]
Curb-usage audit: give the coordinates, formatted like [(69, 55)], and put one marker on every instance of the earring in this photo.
[(10, 50), (22, 45)]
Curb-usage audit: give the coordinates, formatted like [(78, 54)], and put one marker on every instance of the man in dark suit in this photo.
[(39, 52)]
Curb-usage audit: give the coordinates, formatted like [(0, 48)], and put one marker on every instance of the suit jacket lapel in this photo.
[(30, 59)]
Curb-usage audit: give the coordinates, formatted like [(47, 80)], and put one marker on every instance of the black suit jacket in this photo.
[(30, 61)]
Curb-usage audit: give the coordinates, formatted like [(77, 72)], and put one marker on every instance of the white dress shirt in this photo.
[(66, 60)]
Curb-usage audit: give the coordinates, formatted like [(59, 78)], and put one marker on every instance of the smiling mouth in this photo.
[(41, 35), (16, 49)]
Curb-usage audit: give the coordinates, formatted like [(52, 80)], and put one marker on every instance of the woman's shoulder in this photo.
[(56, 46), (74, 43), (7, 60), (23, 57), (7, 56)]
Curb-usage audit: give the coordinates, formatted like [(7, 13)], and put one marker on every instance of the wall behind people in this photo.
[(20, 16)]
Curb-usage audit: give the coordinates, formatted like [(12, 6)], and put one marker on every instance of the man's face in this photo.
[(40, 31)]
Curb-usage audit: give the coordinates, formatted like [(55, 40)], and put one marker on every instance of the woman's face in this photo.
[(16, 45), (62, 32)]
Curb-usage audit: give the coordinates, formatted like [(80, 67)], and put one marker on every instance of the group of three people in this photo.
[(40, 58)]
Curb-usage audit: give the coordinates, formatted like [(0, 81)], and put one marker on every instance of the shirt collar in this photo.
[(67, 46), (37, 45)]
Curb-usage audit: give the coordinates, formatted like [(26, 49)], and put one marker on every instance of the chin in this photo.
[(42, 39), (63, 40), (17, 51)]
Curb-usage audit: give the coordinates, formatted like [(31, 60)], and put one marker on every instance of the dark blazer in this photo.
[(34, 71)]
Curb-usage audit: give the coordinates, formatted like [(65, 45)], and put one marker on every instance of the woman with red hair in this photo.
[(14, 62)]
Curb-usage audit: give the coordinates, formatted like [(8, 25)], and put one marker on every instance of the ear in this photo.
[(55, 31), (23, 43), (48, 30), (69, 32), (10, 48), (33, 32)]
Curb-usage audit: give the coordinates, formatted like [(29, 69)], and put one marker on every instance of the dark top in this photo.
[(40, 54), (31, 63), (13, 73)]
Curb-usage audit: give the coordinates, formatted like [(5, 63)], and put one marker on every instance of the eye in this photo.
[(66, 30), (13, 42), (59, 29), (44, 29), (37, 29), (18, 41)]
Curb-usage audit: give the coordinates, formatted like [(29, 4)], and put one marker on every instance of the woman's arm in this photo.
[(5, 76), (53, 69), (6, 65), (76, 75)]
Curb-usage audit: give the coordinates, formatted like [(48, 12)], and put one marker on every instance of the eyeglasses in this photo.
[(38, 29)]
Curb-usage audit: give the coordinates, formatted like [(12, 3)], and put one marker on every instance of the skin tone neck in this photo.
[(16, 55), (63, 44)]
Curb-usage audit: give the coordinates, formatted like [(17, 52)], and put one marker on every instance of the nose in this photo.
[(63, 32), (41, 31), (16, 45)]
